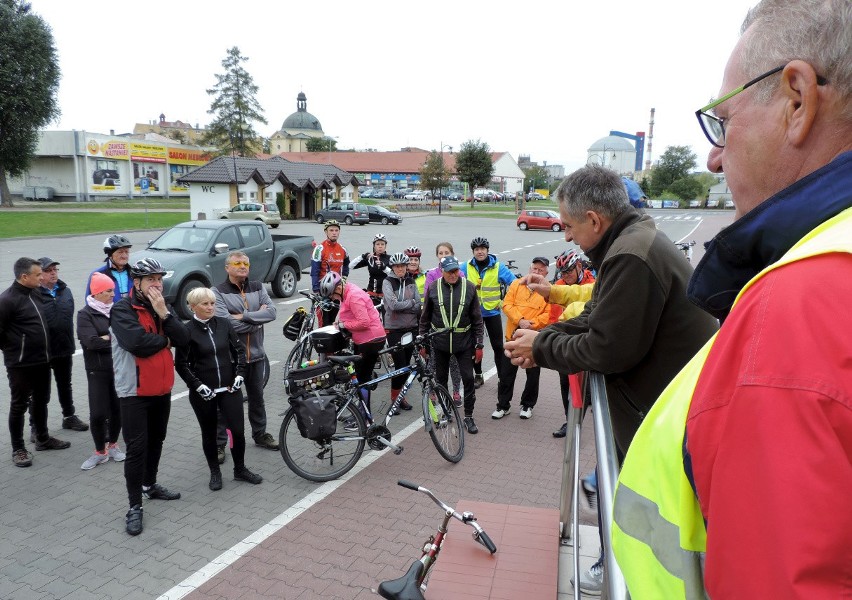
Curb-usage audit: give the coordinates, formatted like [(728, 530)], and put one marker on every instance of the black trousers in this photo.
[(401, 358), (145, 420), (506, 386), (256, 378), (103, 405), (465, 360), (230, 410), (29, 389), (62, 367), (364, 369), (494, 329)]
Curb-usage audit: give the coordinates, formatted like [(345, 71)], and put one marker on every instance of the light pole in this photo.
[(443, 171)]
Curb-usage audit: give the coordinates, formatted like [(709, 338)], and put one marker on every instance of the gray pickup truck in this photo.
[(193, 254)]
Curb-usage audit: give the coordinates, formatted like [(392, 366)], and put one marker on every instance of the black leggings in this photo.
[(364, 369), (145, 420), (494, 328), (401, 358), (103, 405), (230, 405)]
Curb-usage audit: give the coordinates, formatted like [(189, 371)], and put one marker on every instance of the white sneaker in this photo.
[(116, 453), (526, 412), (591, 581), (94, 460), (500, 413)]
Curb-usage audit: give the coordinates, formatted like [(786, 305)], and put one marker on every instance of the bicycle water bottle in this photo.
[(309, 363)]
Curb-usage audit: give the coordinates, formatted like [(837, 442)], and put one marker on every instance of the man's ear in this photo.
[(801, 92), (597, 222)]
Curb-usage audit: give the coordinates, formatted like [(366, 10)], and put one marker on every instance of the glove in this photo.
[(206, 392), (477, 355), (238, 383)]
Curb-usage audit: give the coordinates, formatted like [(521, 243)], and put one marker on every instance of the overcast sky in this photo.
[(544, 78)]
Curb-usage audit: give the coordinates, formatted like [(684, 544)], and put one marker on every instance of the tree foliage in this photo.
[(235, 109), (434, 175), (675, 163), (29, 81), (535, 178), (686, 188), (321, 144), (474, 165)]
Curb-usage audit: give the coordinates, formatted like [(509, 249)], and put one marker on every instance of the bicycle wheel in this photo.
[(447, 432), (302, 351), (326, 460)]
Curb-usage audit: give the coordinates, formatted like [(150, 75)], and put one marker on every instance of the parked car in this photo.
[(255, 211), (539, 219), (534, 196), (455, 196), (485, 195), (344, 212), (367, 193), (381, 194), (400, 192), (194, 253), (729, 204), (379, 214), (416, 195)]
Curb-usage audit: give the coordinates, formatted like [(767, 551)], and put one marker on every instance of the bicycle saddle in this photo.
[(404, 588), (342, 360)]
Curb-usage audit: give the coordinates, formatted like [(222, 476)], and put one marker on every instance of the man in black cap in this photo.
[(59, 311), (23, 337), (451, 302), (524, 309)]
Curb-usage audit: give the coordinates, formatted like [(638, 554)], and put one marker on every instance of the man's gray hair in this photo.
[(593, 188), (235, 254), (818, 32)]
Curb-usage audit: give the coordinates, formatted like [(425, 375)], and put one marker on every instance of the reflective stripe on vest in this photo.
[(658, 533), (454, 326), (488, 288)]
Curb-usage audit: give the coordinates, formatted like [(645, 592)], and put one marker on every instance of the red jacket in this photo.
[(778, 378)]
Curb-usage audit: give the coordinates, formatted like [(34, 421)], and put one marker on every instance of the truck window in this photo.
[(228, 236), (252, 234)]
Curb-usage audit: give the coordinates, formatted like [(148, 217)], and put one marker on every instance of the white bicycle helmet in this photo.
[(398, 259), (329, 283)]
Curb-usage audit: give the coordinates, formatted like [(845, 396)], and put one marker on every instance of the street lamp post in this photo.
[(443, 170)]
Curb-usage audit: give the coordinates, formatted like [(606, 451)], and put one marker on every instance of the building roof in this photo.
[(612, 142), (377, 162), (301, 119), (300, 175)]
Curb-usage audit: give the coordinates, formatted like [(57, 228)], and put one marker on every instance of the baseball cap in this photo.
[(542, 260), (47, 262), (449, 263)]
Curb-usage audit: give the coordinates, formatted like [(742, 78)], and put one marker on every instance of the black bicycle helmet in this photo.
[(114, 242), (413, 251), (479, 242), (331, 223), (329, 283), (145, 267), (398, 259)]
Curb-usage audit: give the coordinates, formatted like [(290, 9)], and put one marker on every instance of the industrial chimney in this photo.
[(650, 141)]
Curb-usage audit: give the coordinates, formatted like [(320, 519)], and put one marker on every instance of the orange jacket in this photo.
[(523, 303)]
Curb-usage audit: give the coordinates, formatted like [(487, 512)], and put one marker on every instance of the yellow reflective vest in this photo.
[(658, 532), (488, 288)]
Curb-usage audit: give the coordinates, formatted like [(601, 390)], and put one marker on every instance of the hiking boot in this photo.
[(133, 520), (266, 441), (51, 443), (116, 453), (470, 426), (94, 460), (215, 480), (478, 381), (561, 432), (22, 458), (243, 474), (500, 413), (591, 581), (220, 454), (158, 492), (526, 412), (74, 422)]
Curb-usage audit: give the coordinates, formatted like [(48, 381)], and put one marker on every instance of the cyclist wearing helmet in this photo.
[(572, 288), (487, 273), (144, 331), (413, 254), (378, 265), (117, 250), (329, 256), (360, 318), (402, 315)]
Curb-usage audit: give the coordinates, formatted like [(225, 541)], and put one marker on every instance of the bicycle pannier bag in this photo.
[(294, 324), (328, 339), (316, 414)]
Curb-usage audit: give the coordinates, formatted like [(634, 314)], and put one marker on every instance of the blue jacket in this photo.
[(504, 276)]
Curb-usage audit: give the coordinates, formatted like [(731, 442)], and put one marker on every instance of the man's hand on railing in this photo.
[(519, 348)]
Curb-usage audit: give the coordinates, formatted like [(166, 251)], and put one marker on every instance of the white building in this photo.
[(614, 152)]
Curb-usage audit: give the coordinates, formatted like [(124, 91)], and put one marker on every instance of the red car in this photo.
[(539, 219)]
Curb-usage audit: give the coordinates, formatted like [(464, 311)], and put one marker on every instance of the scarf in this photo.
[(99, 306)]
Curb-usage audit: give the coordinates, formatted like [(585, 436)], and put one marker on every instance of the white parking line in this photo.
[(293, 301), (241, 548)]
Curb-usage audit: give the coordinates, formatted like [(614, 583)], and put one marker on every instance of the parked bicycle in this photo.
[(686, 248), (515, 271), (412, 585), (330, 456), (304, 350)]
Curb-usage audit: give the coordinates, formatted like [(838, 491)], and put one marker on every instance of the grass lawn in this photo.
[(37, 224), (136, 204)]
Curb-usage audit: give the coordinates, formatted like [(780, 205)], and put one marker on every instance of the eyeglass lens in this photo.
[(240, 263)]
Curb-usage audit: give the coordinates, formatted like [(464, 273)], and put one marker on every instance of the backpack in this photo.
[(293, 326), (316, 414)]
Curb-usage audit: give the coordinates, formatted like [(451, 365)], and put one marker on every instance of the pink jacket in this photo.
[(359, 316)]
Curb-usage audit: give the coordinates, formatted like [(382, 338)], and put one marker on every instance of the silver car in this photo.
[(255, 211)]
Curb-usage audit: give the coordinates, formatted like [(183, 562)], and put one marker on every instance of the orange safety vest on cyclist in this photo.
[(658, 534)]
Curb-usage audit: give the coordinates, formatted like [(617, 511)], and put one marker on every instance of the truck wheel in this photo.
[(284, 283), (181, 305)]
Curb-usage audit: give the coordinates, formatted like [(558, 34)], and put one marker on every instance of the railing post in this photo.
[(571, 456)]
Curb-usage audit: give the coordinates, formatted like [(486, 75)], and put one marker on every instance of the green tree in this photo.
[(707, 181), (675, 163), (535, 177), (321, 144), (686, 188), (434, 174), (235, 109), (178, 136), (29, 80), (474, 165)]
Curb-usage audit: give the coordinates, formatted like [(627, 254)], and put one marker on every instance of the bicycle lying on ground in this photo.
[(332, 455), (412, 585), (686, 248)]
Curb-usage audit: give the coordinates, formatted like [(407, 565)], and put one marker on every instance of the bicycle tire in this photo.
[(447, 431), (302, 351), (317, 461)]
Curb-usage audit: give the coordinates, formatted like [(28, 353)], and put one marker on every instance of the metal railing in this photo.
[(608, 470)]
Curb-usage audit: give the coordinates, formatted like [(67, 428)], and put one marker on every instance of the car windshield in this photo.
[(183, 239)]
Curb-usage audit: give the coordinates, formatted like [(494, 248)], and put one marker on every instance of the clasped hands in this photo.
[(519, 348)]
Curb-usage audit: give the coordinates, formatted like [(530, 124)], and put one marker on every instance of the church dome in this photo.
[(612, 142), (301, 119)]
